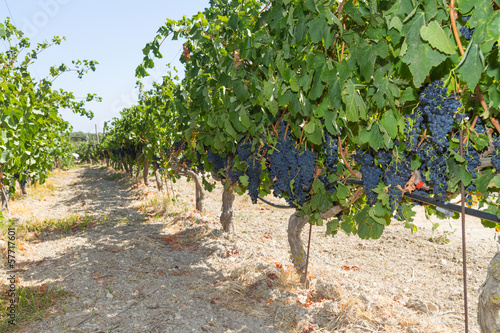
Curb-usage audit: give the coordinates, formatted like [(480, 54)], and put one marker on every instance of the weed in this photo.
[(114, 177), (73, 222), (443, 238), (32, 303)]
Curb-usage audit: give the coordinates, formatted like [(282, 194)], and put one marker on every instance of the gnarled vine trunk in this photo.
[(159, 182), (298, 254), (295, 226), (488, 308), (199, 192), (138, 171), (226, 217), (145, 171)]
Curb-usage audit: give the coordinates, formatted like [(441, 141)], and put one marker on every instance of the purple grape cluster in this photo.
[(384, 157), (466, 32), (414, 127), (439, 111), (396, 175), (473, 161), (479, 128), (331, 149), (253, 169), (291, 169), (495, 160), (371, 174), (218, 162), (434, 161)]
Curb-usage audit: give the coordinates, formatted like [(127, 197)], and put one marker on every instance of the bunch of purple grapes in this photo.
[(439, 111), (396, 175), (291, 169), (466, 32), (371, 174), (495, 159), (473, 161), (253, 169), (331, 149)]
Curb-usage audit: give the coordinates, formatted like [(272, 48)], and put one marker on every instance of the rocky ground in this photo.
[(135, 270)]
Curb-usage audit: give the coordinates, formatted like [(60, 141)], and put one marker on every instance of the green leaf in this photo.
[(316, 136), (435, 35), (342, 191), (465, 6), (309, 127), (244, 180), (316, 29), (483, 181), (229, 128), (245, 120), (330, 122), (495, 182), (268, 89), (368, 228), (472, 67), (373, 137), (390, 123), (5, 156), (294, 83), (396, 24), (420, 57), (240, 90), (355, 105)]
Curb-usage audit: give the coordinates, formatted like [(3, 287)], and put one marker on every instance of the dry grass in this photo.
[(32, 303), (161, 204), (31, 228)]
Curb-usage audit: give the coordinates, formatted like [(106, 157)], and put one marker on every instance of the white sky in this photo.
[(111, 32)]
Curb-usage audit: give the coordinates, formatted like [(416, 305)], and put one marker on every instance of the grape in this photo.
[(434, 161), (384, 157), (331, 148), (466, 32), (291, 169), (396, 175), (252, 171), (216, 160), (495, 160), (371, 174), (439, 112)]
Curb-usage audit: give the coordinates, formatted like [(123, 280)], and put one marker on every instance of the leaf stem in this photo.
[(357, 175)]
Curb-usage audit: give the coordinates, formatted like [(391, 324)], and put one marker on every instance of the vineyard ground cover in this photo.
[(179, 273)]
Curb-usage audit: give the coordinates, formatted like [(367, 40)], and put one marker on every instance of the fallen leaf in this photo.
[(42, 288), (272, 276)]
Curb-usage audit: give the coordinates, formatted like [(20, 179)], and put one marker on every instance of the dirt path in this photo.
[(130, 271)]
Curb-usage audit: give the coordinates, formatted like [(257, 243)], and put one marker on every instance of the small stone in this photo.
[(152, 305), (109, 295), (412, 330), (443, 262), (366, 299), (393, 322), (432, 307), (417, 304)]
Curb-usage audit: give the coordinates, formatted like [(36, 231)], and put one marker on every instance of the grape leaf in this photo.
[(390, 123), (435, 35), (355, 105), (472, 67), (420, 56)]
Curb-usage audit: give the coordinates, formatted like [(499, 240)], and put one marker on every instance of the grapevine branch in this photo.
[(462, 52), (357, 175)]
